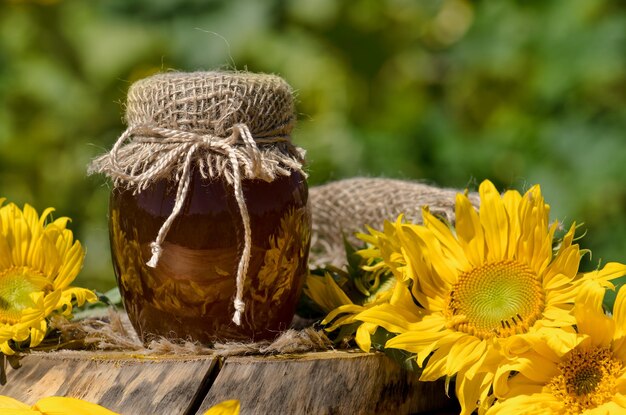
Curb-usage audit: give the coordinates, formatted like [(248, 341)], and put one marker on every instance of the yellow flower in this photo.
[(493, 278), (368, 285), (54, 405), (590, 379), (342, 311), (38, 261), (224, 408)]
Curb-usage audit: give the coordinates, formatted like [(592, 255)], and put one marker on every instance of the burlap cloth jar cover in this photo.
[(228, 125)]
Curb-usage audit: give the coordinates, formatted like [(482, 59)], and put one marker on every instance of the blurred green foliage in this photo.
[(447, 91)]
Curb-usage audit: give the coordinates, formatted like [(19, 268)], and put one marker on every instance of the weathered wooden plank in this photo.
[(324, 383), (125, 383)]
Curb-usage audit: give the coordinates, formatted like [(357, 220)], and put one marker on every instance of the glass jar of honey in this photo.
[(203, 190)]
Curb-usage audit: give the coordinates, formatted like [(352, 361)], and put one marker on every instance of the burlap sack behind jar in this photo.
[(342, 208)]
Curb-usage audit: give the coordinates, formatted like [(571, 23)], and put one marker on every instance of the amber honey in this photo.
[(189, 294)]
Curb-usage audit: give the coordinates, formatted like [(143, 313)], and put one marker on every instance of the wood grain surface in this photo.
[(314, 383), (324, 383), (124, 383)]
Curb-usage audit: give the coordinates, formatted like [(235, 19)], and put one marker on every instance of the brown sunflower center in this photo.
[(496, 299), (16, 285), (587, 379)]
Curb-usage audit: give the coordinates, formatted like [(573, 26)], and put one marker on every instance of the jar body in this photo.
[(189, 294)]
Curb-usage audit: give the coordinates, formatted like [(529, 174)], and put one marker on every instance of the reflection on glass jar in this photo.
[(189, 294)]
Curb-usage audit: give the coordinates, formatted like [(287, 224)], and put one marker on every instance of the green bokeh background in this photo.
[(445, 91)]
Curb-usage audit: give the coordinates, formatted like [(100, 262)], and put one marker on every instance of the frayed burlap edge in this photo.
[(114, 332)]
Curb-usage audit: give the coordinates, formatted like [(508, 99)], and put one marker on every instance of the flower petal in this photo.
[(56, 405), (494, 221), (364, 336), (512, 200), (325, 292), (7, 402), (469, 230), (224, 408), (590, 317)]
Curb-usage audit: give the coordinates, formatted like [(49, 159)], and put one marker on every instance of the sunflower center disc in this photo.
[(496, 299), (587, 379), (15, 290)]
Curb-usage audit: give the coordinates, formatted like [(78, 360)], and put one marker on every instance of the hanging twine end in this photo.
[(240, 306), (156, 255)]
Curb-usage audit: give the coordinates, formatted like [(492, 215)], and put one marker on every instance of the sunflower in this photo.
[(38, 261), (342, 294), (477, 287), (590, 379), (343, 312)]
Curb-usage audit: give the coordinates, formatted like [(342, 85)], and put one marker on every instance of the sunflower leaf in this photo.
[(403, 358)]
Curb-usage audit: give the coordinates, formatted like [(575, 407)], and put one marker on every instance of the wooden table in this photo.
[(333, 382)]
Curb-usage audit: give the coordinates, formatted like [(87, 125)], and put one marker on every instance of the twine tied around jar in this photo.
[(234, 125)]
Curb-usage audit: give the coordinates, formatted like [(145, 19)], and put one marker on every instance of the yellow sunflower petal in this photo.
[(21, 333), (5, 253), (471, 392), (590, 316), (454, 252), (64, 239), (620, 399), (563, 269), (38, 332), (80, 295), (230, 407), (469, 230), (444, 269), (21, 239), (60, 223), (364, 336), (393, 318), (512, 200), (608, 273), (44, 216), (609, 408), (341, 321), (325, 292), (619, 315), (49, 260), (493, 219), (521, 385), (535, 404), (56, 405), (6, 349), (349, 308), (466, 351), (20, 411), (534, 366), (72, 264), (535, 245), (6, 402), (32, 221), (435, 368), (419, 267), (414, 341)]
